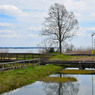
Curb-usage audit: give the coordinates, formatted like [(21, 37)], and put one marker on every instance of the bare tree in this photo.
[(60, 24), (47, 45), (70, 48)]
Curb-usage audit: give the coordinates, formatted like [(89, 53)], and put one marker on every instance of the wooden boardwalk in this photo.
[(7, 57), (25, 58), (79, 64), (18, 64)]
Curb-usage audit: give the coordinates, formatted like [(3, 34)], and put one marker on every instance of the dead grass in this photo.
[(72, 58), (78, 71), (58, 79), (83, 51)]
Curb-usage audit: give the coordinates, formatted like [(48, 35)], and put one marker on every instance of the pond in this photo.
[(85, 85)]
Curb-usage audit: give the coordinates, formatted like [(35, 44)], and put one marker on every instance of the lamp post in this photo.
[(92, 44), (92, 60)]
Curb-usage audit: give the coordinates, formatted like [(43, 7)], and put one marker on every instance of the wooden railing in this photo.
[(7, 57), (18, 64)]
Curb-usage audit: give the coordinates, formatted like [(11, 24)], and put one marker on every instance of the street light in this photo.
[(92, 60), (92, 41)]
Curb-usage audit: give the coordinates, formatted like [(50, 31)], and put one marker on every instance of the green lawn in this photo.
[(13, 79)]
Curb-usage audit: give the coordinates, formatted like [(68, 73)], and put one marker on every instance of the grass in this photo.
[(58, 79), (78, 71), (60, 57), (83, 51), (54, 53), (21, 57), (72, 58), (14, 65), (13, 79)]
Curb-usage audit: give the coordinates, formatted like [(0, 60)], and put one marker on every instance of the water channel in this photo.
[(85, 85)]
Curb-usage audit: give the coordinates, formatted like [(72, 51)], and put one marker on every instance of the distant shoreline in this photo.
[(25, 47)]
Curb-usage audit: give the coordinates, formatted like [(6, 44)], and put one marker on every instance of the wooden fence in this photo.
[(18, 64), (7, 57)]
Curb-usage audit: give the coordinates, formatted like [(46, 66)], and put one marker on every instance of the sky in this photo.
[(21, 21)]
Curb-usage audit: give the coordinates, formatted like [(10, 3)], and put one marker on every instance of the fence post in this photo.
[(9, 56), (23, 64), (32, 56), (1, 57), (16, 56), (24, 56), (11, 65), (29, 63), (3, 66), (4, 56), (18, 65), (41, 58), (38, 62), (34, 63)]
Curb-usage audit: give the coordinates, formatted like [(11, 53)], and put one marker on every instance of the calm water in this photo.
[(22, 49), (85, 85)]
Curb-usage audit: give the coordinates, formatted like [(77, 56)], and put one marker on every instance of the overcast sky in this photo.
[(21, 21)]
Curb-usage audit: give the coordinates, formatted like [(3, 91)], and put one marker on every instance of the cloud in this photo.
[(6, 31), (12, 11), (8, 34), (85, 32), (7, 25), (4, 24), (90, 29), (29, 16), (35, 28), (32, 14), (83, 9), (33, 35)]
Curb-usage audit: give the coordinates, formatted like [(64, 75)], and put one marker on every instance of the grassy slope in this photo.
[(13, 79)]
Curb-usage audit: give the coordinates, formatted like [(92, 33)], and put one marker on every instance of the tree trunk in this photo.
[(60, 48)]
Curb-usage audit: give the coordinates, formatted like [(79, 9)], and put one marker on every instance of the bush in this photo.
[(51, 50)]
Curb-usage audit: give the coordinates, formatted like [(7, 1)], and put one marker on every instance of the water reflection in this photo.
[(83, 86), (61, 88), (92, 86), (68, 88)]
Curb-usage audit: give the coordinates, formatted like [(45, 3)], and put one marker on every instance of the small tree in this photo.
[(59, 25), (51, 50), (70, 48), (47, 46)]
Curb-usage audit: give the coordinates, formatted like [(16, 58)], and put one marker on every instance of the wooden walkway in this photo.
[(22, 58), (7, 57), (18, 64), (79, 64)]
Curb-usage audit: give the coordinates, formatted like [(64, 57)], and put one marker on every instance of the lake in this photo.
[(85, 85), (22, 49)]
